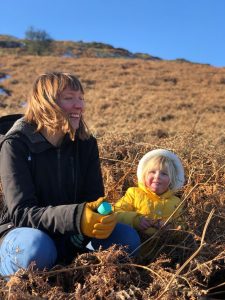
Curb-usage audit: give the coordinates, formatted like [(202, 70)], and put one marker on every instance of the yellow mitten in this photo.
[(104, 229), (95, 204), (94, 224)]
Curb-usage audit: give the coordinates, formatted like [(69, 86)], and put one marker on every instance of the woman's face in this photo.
[(157, 180), (72, 103)]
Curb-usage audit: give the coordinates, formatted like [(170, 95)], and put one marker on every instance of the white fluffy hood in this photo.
[(180, 170)]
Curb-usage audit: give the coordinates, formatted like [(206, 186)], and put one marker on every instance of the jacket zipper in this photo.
[(72, 168), (74, 177), (59, 170)]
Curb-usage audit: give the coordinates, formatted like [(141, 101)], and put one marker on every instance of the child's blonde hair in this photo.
[(43, 110), (164, 159), (163, 163)]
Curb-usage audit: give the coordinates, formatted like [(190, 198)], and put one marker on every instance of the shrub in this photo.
[(38, 42)]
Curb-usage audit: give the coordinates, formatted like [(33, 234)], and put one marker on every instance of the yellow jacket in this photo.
[(140, 201)]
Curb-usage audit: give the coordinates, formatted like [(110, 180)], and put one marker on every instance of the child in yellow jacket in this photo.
[(147, 207)]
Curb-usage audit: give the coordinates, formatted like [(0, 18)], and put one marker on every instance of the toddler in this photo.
[(147, 207)]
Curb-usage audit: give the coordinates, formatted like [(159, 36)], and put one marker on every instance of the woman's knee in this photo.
[(22, 246)]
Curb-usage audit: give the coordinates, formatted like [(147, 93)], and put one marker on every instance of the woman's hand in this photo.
[(95, 225)]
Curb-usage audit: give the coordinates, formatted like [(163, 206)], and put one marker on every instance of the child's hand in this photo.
[(145, 223), (160, 223)]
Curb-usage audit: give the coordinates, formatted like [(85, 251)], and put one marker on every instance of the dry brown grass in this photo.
[(148, 98), (134, 106)]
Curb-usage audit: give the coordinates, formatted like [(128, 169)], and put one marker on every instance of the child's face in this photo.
[(72, 103), (157, 180)]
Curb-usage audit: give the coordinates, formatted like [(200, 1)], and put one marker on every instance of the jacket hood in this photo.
[(163, 152), (37, 142)]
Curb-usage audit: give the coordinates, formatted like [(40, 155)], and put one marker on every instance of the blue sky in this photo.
[(170, 29)]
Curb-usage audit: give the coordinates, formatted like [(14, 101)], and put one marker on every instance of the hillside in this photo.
[(133, 106), (151, 99), (13, 45)]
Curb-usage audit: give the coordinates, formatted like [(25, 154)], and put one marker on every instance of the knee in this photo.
[(122, 235), (22, 246), (129, 236), (41, 249)]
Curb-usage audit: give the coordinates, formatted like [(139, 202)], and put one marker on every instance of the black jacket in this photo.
[(44, 186)]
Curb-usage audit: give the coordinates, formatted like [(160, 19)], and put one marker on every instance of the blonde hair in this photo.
[(163, 163), (43, 110)]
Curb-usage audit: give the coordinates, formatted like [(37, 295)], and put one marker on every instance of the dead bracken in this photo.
[(173, 264)]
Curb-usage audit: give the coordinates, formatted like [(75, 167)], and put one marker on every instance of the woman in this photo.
[(50, 174)]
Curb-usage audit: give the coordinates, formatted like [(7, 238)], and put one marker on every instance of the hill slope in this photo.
[(134, 106), (150, 98), (12, 45)]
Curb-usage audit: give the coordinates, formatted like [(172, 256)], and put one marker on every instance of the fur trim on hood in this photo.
[(163, 152)]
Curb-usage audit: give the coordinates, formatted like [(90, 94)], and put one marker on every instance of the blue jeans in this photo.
[(122, 235), (24, 245)]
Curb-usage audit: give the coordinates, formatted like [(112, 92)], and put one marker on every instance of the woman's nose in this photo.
[(78, 104)]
